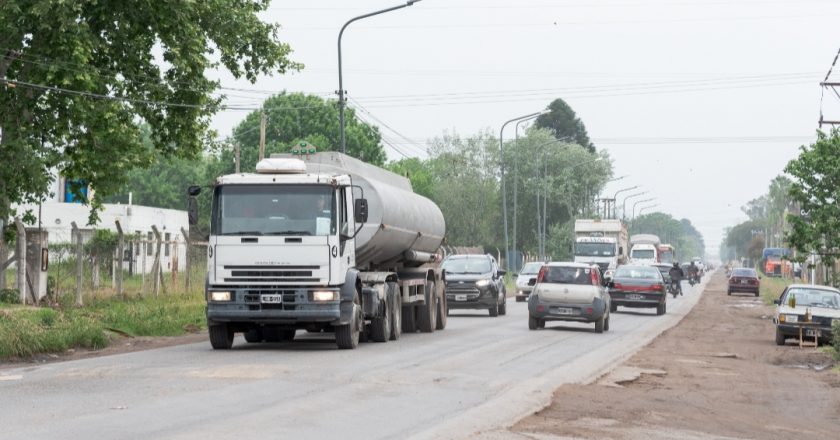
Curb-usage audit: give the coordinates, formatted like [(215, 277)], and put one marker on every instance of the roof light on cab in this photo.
[(281, 165)]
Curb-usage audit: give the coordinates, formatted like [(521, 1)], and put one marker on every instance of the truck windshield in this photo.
[(274, 210), (594, 249), (648, 254)]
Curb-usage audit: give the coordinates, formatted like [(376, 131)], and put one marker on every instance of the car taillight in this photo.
[(541, 275), (617, 286), (657, 287), (733, 280), (593, 277)]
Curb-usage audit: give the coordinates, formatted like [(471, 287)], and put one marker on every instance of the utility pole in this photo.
[(262, 137), (832, 86), (236, 154)]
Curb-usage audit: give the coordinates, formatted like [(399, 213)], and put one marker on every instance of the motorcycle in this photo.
[(674, 288), (693, 279)]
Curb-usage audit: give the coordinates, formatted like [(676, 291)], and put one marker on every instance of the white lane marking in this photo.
[(11, 378)]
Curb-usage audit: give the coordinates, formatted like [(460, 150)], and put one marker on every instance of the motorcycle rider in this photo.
[(693, 272), (677, 274)]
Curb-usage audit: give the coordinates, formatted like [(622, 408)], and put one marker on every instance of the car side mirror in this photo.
[(611, 284), (192, 210), (361, 209), (501, 273), (777, 302), (532, 282)]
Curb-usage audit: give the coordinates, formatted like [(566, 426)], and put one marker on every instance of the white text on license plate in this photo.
[(812, 332), (564, 311), (271, 299), (460, 297), (635, 296)]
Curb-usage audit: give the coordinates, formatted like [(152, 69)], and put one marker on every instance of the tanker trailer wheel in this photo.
[(396, 310), (427, 313), (347, 335), (442, 312), (409, 318), (221, 336), (380, 327)]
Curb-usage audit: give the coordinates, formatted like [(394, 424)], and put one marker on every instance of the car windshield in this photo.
[(567, 275), (641, 273), (643, 253), (594, 249), (274, 210), (531, 269), (467, 265), (744, 273), (814, 298)]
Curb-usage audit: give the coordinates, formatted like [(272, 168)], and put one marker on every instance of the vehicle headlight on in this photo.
[(220, 296), (482, 283), (324, 295)]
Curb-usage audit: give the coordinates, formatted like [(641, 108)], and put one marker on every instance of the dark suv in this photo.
[(474, 282)]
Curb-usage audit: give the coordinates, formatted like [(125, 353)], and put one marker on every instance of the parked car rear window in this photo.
[(744, 273), (814, 298), (642, 273), (567, 275)]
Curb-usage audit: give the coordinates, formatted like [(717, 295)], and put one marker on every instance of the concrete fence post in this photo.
[(77, 237), (4, 255), (157, 270), (120, 254), (21, 260)]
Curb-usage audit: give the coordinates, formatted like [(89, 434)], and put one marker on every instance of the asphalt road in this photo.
[(478, 374)]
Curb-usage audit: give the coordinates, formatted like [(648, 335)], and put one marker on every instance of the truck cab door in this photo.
[(347, 229)]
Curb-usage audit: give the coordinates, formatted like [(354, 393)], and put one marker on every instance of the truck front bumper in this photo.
[(295, 306)]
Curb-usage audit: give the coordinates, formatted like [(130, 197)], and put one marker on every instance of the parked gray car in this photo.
[(474, 282), (569, 292)]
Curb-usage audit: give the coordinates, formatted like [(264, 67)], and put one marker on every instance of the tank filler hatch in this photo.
[(284, 165)]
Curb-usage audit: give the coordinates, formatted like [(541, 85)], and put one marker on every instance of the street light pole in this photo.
[(615, 198), (504, 191), (341, 93), (632, 219), (647, 207), (516, 181), (624, 204)]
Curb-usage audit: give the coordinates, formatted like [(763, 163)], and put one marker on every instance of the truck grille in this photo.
[(299, 274)]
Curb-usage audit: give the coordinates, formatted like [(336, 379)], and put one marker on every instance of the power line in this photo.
[(410, 143)]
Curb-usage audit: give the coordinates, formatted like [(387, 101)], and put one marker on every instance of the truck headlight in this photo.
[(324, 295), (482, 283), (220, 296)]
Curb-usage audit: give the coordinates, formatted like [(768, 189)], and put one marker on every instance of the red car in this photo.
[(744, 280)]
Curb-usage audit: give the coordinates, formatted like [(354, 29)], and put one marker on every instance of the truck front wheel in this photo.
[(221, 336), (380, 327), (347, 335)]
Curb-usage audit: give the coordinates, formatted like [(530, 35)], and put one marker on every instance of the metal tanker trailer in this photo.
[(321, 242)]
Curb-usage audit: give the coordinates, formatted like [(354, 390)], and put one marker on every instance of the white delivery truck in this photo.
[(644, 249), (321, 242), (602, 242)]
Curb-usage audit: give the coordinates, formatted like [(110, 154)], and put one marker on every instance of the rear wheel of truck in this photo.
[(254, 335), (396, 311), (442, 313), (427, 313), (347, 335), (380, 327), (221, 336), (409, 319)]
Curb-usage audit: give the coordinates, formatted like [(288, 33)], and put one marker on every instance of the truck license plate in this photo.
[(460, 297), (564, 311), (812, 332), (271, 299), (635, 296)]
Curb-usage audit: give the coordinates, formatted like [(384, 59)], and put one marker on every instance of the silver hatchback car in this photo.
[(569, 292)]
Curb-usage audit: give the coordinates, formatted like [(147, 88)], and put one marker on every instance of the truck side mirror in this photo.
[(194, 190), (532, 282), (192, 210), (361, 210)]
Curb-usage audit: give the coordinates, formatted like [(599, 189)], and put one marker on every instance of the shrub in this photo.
[(9, 296)]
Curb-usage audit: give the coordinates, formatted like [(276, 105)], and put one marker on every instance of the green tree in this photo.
[(295, 117), (78, 76), (564, 124), (816, 188), (418, 172)]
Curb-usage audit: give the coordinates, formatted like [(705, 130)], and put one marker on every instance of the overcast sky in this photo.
[(702, 102)]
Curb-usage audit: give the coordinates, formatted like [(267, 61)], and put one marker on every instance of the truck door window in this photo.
[(342, 218)]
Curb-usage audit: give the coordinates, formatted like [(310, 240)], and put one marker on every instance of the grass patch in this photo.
[(27, 331), (771, 288)]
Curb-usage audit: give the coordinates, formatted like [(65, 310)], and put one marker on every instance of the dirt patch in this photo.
[(724, 378), (119, 345)]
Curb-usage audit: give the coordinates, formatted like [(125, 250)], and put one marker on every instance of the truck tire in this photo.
[(599, 324), (427, 313), (221, 336), (254, 335), (380, 327), (347, 335), (409, 319), (442, 313), (396, 311)]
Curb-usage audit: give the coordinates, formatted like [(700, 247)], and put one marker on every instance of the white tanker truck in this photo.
[(321, 242)]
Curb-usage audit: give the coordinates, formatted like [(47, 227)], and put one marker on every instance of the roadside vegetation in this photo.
[(28, 331), (772, 287)]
